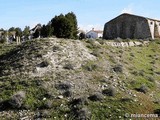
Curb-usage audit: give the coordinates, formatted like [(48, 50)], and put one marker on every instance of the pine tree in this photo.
[(65, 26), (72, 18), (62, 26)]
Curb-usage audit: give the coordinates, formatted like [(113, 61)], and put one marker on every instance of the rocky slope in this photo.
[(72, 79)]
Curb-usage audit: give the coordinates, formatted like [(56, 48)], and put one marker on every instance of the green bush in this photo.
[(111, 91), (3, 41), (143, 88), (96, 97)]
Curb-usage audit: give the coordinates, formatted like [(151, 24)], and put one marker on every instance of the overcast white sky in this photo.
[(90, 13)]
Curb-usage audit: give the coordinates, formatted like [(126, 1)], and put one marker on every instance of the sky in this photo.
[(90, 13)]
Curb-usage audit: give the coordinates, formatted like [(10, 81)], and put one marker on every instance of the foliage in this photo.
[(111, 91), (46, 30), (26, 31), (72, 17), (65, 26), (82, 36)]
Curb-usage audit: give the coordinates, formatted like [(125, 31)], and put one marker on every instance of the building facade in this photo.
[(94, 34), (133, 27)]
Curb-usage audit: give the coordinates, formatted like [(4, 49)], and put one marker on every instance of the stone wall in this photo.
[(127, 26)]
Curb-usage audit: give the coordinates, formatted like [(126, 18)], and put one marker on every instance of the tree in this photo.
[(46, 30), (82, 36), (72, 18), (26, 31), (65, 26), (50, 30), (62, 27), (11, 29), (18, 31)]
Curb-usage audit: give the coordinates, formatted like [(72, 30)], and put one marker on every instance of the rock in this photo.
[(60, 97)]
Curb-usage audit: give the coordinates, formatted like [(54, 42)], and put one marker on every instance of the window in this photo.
[(151, 23)]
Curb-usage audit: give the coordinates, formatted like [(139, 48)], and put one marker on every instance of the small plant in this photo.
[(63, 86), (3, 41), (141, 72), (151, 79), (56, 48), (118, 68), (126, 99), (48, 104), (90, 67), (111, 91), (96, 97), (79, 101), (132, 54), (67, 93), (17, 99), (83, 114), (143, 88), (44, 64), (68, 66), (157, 111)]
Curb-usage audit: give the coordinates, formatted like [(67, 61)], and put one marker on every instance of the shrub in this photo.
[(68, 66), (4, 105), (90, 67), (132, 54), (126, 99), (151, 79), (67, 93), (157, 111), (118, 68), (141, 72), (48, 104), (143, 88), (42, 114), (96, 97), (83, 114), (63, 86), (56, 48), (79, 101), (17, 99), (3, 41), (44, 64), (111, 91)]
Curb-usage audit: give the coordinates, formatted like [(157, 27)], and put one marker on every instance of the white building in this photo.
[(94, 34)]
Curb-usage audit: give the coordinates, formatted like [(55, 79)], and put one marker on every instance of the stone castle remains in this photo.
[(132, 27)]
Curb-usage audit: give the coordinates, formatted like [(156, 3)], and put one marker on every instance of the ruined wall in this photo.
[(157, 29), (127, 26)]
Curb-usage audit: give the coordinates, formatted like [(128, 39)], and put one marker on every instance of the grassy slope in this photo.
[(141, 65)]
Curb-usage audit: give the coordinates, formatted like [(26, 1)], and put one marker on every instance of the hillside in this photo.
[(72, 79)]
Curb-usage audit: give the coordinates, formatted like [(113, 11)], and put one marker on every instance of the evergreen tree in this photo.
[(46, 30), (62, 27), (50, 30), (11, 29), (26, 32), (18, 31), (72, 18), (65, 26)]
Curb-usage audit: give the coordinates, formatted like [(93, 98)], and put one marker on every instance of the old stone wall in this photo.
[(127, 26), (157, 29)]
